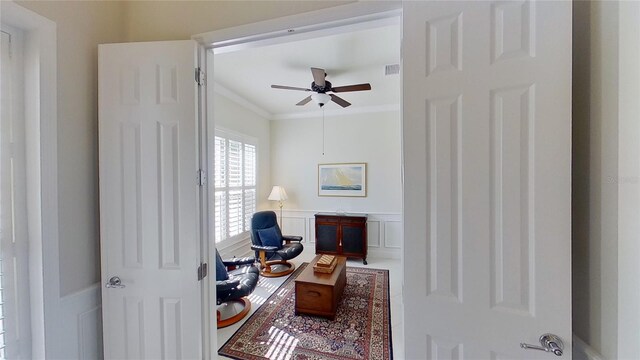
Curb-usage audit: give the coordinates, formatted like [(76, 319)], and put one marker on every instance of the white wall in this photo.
[(70, 297), (296, 151), (629, 182), (594, 161), (371, 138), (606, 177), (81, 26), (179, 20)]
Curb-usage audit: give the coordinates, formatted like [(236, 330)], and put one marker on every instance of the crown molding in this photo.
[(238, 99)]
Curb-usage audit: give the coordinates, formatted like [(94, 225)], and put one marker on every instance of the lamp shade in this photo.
[(278, 194)]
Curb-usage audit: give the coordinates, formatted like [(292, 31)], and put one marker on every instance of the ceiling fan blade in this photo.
[(318, 76), (340, 101), (358, 87), (289, 88), (304, 101)]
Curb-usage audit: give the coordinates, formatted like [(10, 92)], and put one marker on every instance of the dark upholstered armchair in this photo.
[(235, 279), (271, 247)]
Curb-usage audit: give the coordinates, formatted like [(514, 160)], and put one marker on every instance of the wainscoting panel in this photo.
[(393, 234), (79, 332), (90, 333), (373, 233), (384, 233), (294, 225), (384, 230), (311, 237)]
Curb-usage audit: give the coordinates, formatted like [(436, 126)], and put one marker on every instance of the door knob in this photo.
[(115, 282), (549, 343)]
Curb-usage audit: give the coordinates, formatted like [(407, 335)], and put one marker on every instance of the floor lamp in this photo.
[(278, 194)]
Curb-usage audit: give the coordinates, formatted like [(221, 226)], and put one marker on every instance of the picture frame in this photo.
[(342, 179)]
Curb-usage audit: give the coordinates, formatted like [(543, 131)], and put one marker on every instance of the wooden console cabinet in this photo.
[(342, 234)]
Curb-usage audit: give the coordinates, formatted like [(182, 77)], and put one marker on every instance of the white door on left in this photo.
[(149, 200)]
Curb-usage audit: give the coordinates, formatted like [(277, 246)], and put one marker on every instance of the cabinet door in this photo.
[(353, 239), (326, 237)]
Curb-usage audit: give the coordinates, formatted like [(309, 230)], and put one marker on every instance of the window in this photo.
[(234, 183)]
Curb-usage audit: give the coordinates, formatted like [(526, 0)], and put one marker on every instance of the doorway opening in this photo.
[(33, 170), (15, 319), (293, 140)]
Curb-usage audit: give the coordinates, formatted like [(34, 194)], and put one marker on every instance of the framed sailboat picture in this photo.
[(342, 179)]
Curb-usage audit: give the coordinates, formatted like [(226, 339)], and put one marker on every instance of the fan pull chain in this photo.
[(323, 131)]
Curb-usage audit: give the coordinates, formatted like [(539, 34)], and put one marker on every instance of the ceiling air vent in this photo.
[(393, 69)]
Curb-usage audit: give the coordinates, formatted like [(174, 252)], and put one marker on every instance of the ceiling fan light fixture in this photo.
[(319, 88), (320, 98)]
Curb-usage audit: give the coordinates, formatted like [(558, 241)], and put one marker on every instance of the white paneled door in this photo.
[(486, 144), (149, 200)]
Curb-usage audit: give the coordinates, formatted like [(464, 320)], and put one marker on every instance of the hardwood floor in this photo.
[(268, 286)]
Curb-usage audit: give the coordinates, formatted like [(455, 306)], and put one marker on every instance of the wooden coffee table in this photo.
[(319, 294)]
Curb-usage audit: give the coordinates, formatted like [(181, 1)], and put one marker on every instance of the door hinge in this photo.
[(201, 177), (200, 77), (202, 271)]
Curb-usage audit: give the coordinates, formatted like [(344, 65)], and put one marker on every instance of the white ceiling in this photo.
[(350, 58)]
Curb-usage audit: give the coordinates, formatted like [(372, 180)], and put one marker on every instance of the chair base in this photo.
[(245, 305), (268, 271)]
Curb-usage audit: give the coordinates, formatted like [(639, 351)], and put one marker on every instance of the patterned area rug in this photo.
[(361, 330)]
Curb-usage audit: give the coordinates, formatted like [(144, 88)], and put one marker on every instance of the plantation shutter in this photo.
[(220, 182), (249, 181), (235, 184), (235, 190)]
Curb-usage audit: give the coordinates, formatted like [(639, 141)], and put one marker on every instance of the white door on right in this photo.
[(487, 178)]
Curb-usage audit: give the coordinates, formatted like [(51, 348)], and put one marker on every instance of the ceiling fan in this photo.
[(320, 87)]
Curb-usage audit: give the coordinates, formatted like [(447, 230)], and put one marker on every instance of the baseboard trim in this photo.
[(583, 351), (386, 253)]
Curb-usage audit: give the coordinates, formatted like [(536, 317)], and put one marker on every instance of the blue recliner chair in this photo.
[(235, 280), (271, 247)]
